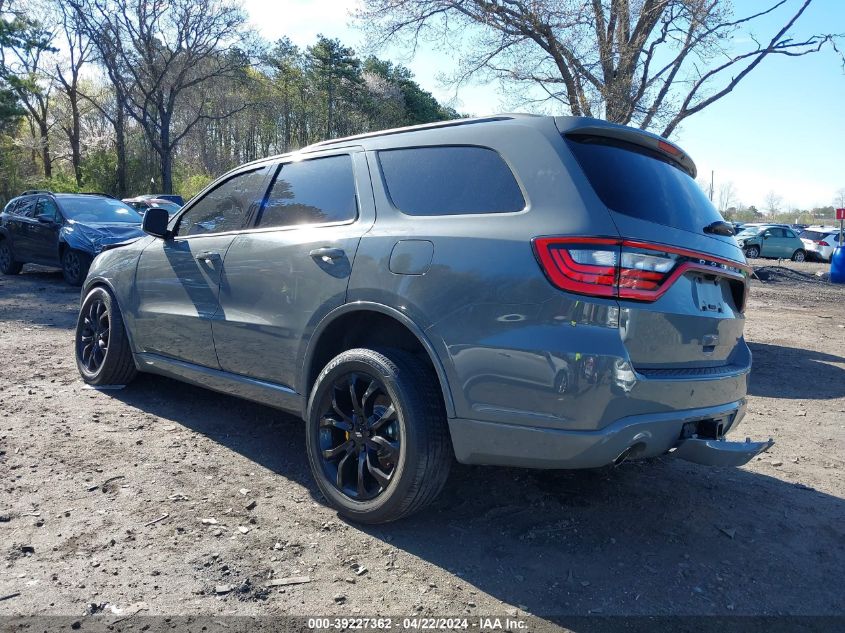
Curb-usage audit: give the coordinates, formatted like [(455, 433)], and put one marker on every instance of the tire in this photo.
[(114, 366), (752, 252), (8, 265), (75, 265), (799, 256), (416, 468)]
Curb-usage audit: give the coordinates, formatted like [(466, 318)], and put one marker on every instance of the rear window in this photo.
[(813, 235), (642, 184), (449, 180)]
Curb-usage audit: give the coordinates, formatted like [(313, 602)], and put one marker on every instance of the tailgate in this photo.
[(683, 285)]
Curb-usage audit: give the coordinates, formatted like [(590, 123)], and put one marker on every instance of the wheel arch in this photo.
[(341, 329), (102, 282)]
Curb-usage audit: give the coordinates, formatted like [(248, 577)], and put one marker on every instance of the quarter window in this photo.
[(26, 208), (317, 191), (225, 207), (449, 180)]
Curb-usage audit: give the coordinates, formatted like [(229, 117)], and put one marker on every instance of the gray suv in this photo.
[(543, 292)]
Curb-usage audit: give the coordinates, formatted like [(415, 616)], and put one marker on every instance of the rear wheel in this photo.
[(8, 265), (798, 256), (752, 252), (75, 265), (103, 355), (376, 435)]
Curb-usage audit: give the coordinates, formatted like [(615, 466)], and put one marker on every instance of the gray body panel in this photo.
[(531, 375)]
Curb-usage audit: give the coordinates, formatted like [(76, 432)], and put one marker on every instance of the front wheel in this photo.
[(8, 265), (752, 252), (75, 265), (103, 354), (798, 256), (376, 435)]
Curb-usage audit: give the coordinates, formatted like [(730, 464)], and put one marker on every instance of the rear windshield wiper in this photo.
[(719, 228)]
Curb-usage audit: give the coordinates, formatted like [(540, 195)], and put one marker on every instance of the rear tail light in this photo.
[(822, 243), (627, 269)]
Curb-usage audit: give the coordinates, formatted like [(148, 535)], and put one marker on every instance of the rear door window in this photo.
[(26, 207), (317, 191), (449, 180), (634, 181)]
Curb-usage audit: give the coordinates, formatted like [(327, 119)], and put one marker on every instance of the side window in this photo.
[(449, 180), (225, 207), (47, 208), (10, 207), (26, 208), (316, 191), (789, 233)]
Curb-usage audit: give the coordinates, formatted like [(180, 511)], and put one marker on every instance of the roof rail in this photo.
[(29, 192), (412, 128)]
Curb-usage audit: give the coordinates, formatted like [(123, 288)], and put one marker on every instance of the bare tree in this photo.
[(839, 198), (650, 63), (727, 195), (772, 203), (77, 48), (158, 53)]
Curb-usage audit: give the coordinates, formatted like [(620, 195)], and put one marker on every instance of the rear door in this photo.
[(682, 288), (178, 280), (19, 226), (293, 268)]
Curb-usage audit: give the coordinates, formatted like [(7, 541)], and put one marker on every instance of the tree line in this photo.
[(138, 96)]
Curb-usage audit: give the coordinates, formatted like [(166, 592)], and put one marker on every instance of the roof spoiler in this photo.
[(637, 137)]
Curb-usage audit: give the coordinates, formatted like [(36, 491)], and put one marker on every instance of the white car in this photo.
[(820, 241)]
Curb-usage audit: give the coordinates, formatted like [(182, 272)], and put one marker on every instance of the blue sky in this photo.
[(782, 129)]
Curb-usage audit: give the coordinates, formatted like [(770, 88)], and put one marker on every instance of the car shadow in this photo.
[(793, 372), (654, 537)]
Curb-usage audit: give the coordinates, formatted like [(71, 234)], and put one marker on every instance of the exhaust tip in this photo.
[(631, 451)]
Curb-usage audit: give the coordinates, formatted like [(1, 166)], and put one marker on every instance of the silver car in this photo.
[(542, 292)]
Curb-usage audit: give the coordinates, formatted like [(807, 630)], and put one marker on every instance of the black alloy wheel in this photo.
[(8, 265), (376, 434), (93, 340), (360, 437)]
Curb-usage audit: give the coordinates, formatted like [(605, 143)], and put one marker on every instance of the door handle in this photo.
[(328, 255), (207, 257)]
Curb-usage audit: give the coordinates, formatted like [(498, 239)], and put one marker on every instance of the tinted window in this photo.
[(26, 207), (225, 207), (312, 192), (94, 209), (449, 180), (47, 208), (811, 235), (642, 184)]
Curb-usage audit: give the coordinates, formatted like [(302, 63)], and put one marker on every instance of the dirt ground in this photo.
[(169, 499)]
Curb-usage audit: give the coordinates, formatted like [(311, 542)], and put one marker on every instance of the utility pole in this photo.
[(711, 185)]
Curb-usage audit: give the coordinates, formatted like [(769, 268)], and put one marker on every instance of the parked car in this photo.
[(141, 204), (171, 197), (513, 290), (820, 242), (771, 240), (62, 229)]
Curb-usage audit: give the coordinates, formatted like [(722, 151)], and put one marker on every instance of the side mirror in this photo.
[(155, 222), (766, 236)]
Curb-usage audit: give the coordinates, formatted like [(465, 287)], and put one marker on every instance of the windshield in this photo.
[(748, 232), (98, 210), (640, 183)]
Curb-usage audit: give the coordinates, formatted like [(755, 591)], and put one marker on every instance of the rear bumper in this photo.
[(494, 443)]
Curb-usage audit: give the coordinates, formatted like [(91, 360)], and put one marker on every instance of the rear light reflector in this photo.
[(625, 269)]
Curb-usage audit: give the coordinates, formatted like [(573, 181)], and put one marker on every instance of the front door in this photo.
[(293, 268), (178, 279), (45, 232)]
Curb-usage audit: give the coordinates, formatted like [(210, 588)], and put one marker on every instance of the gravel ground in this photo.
[(169, 499)]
